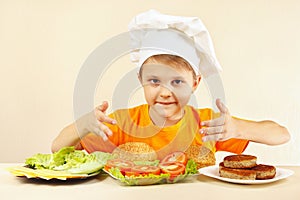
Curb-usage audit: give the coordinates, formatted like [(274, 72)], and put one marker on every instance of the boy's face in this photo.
[(167, 90)]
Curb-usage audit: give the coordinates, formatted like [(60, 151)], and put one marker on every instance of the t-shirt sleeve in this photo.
[(233, 145)]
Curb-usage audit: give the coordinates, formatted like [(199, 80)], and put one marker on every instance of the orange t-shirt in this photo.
[(135, 125)]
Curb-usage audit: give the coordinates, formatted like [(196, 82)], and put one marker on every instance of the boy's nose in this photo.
[(165, 92)]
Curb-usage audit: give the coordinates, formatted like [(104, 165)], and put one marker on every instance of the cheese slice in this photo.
[(43, 173)]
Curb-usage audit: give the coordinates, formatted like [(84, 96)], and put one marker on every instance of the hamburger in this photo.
[(135, 151)]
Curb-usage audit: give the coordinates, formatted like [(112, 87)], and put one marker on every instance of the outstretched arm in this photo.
[(226, 127)]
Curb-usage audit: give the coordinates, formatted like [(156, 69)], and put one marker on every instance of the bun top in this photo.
[(135, 151), (201, 155)]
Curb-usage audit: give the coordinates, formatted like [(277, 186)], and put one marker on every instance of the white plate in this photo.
[(213, 171)]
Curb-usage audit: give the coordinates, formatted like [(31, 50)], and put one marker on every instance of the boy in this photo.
[(166, 123)]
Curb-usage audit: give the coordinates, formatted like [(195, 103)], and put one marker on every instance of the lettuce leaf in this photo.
[(94, 162), (191, 168), (39, 161), (70, 160), (60, 156), (138, 180)]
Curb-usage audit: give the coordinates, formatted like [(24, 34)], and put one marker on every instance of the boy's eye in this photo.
[(154, 81), (177, 82)]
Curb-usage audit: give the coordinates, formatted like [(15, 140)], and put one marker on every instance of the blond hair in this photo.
[(173, 61)]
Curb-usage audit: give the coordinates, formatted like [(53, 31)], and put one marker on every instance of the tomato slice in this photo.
[(122, 165), (177, 156), (172, 168), (143, 170)]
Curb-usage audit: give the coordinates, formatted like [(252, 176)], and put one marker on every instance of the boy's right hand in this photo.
[(93, 122)]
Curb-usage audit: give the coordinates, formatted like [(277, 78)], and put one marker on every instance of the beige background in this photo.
[(44, 43)]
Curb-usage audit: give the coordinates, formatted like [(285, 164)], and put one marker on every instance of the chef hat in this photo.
[(153, 33)]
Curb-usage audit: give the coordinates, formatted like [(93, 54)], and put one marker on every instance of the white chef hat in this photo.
[(153, 33)]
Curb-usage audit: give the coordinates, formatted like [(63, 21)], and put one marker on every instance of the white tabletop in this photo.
[(105, 187)]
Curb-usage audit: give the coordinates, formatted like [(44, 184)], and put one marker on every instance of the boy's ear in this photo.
[(196, 82)]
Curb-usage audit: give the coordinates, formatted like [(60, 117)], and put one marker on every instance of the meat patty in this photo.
[(244, 167), (240, 161), (264, 171), (242, 174)]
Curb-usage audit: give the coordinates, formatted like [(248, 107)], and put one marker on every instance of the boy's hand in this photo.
[(93, 122), (219, 129)]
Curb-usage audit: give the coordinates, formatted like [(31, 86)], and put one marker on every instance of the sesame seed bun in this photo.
[(201, 155), (135, 151)]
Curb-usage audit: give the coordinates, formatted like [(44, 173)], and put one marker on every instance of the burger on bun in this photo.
[(135, 151)]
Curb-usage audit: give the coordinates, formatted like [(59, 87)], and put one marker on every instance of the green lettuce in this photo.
[(190, 169), (59, 158), (70, 160), (39, 161), (138, 180), (94, 162)]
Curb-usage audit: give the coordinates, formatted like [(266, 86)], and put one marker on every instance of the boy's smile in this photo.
[(167, 90), (166, 103)]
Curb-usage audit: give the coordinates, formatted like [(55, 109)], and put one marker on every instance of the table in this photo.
[(104, 187)]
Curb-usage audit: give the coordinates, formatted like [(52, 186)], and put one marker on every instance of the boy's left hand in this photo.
[(219, 129)]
